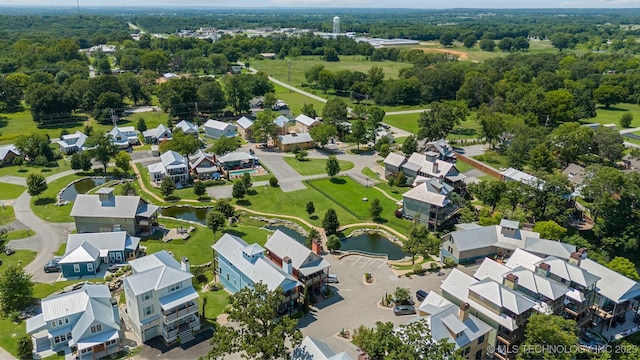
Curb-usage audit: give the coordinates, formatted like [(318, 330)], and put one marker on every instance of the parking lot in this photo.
[(355, 303)]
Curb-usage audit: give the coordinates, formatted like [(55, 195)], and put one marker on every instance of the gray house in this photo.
[(156, 135), (430, 202), (86, 252), (106, 212), (217, 129), (424, 166)]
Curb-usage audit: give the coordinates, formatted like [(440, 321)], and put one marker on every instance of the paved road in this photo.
[(299, 91), (15, 180)]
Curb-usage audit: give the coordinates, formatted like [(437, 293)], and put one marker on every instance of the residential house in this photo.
[(245, 128), (308, 266), (8, 153), (237, 161), (512, 174), (173, 165), (205, 166), (314, 349), (156, 135), (123, 137), (283, 125), (188, 128), (72, 143), (305, 123), (85, 320), (287, 142), (442, 147), (502, 308), (393, 164), (456, 325), (106, 212), (575, 174), (86, 252), (425, 165), (431, 203), (217, 129), (161, 299), (238, 264), (381, 133)]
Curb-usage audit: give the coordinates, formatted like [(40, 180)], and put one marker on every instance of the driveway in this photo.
[(197, 348), (288, 177)]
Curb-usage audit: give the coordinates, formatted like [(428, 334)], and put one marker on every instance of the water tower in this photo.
[(336, 25)]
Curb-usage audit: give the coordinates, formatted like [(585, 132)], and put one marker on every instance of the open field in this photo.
[(314, 166), (7, 215), (477, 55), (10, 191), (468, 129), (296, 100), (613, 114), (45, 206)]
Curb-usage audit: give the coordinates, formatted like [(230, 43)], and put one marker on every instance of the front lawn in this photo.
[(7, 215), (44, 206), (19, 234), (10, 191), (21, 258), (368, 172), (26, 169), (216, 302), (314, 166)]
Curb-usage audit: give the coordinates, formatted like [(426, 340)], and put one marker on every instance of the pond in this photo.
[(373, 243), (186, 213), (292, 233), (81, 187)]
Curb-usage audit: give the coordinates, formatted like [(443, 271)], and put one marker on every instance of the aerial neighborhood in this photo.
[(392, 184)]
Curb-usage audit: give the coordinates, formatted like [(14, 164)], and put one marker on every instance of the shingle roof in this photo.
[(575, 173), (155, 133), (612, 285), (295, 139), (218, 125), (119, 207), (305, 120), (395, 160), (6, 149), (187, 127), (244, 122), (303, 259)]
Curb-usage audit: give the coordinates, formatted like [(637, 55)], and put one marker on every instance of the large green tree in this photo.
[(102, 149), (260, 333), (225, 145), (440, 118), (264, 127), (330, 222), (359, 133), (215, 221), (549, 330), (624, 266), (323, 133), (333, 166), (16, 289), (238, 92), (36, 184)]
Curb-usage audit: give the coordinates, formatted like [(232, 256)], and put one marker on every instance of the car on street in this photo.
[(404, 310), (421, 295), (53, 265)]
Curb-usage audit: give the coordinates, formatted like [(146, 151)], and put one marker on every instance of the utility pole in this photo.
[(114, 117)]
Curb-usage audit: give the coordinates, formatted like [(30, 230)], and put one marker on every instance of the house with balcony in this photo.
[(237, 160), (502, 308), (304, 123), (431, 202), (86, 252), (161, 299), (188, 128), (456, 325), (205, 166), (217, 129), (245, 128), (156, 135), (106, 212), (308, 266), (425, 165), (171, 165), (8, 153), (85, 320), (72, 143), (238, 264), (442, 147), (123, 137)]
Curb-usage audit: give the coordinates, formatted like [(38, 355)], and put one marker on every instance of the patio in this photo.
[(621, 330)]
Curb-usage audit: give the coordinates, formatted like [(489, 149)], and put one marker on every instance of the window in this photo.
[(60, 322), (69, 336), (146, 296), (90, 267), (174, 287), (53, 324), (148, 310), (466, 351), (85, 350), (480, 339), (76, 268), (66, 320), (479, 354), (111, 342), (96, 328), (227, 277)]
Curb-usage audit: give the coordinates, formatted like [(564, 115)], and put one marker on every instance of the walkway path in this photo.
[(381, 226)]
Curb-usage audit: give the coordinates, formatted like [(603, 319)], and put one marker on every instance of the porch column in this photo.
[(612, 317)]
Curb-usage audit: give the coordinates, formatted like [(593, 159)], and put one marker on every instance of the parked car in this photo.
[(421, 295), (53, 265), (7, 250), (404, 310), (331, 278)]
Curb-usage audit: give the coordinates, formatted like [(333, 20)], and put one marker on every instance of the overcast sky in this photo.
[(422, 4)]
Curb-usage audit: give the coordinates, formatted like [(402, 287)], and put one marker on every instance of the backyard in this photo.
[(314, 166)]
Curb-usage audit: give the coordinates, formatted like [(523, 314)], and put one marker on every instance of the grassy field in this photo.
[(19, 234), (613, 114), (296, 100), (408, 122), (279, 69), (25, 170), (21, 258), (45, 206), (314, 166), (216, 302), (463, 167), (478, 55), (10, 191), (492, 158), (7, 215), (468, 129)]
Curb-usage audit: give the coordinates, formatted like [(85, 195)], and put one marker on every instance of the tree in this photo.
[(211, 98), (541, 158), (225, 207), (225, 145), (167, 186), (261, 333), (375, 210), (215, 221), (25, 347), (505, 44), (141, 125), (487, 45), (16, 289), (199, 189), (489, 192), (469, 41), (312, 236), (561, 41), (34, 145), (237, 92), (330, 54), (624, 266), (102, 149), (550, 230), (264, 126), (273, 181), (239, 190), (570, 140), (626, 119), (330, 222), (36, 184), (310, 208), (609, 144), (446, 39), (492, 125), (334, 243), (401, 179), (440, 118), (123, 161), (247, 181), (326, 80), (323, 133), (181, 143), (375, 76), (402, 296), (335, 111), (359, 133), (410, 145), (609, 94), (308, 110), (333, 166), (416, 243), (549, 331), (311, 75), (302, 155)]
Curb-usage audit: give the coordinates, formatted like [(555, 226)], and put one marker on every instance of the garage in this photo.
[(150, 333)]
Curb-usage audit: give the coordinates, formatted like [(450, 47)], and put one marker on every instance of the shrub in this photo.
[(40, 160), (417, 269), (273, 181), (434, 266), (626, 119), (449, 262), (25, 347)]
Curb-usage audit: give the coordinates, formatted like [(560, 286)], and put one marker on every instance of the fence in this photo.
[(362, 181), (480, 166)]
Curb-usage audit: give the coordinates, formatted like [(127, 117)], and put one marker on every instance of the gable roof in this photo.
[(157, 132), (395, 160), (172, 160), (502, 296), (523, 258), (199, 156), (612, 285), (85, 252), (575, 173), (281, 121), (306, 120), (89, 205), (428, 167), (441, 146), (295, 138), (73, 302), (570, 272), (76, 139), (303, 259), (482, 237), (187, 127), (154, 272), (546, 247), (520, 176), (89, 246), (314, 349), (422, 193), (6, 149), (244, 122), (218, 125), (236, 156)]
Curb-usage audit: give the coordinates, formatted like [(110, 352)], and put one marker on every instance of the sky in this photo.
[(421, 4)]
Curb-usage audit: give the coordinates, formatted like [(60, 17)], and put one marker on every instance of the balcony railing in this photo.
[(175, 313), (169, 335)]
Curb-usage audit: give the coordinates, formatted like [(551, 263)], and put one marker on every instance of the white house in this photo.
[(314, 349), (187, 128), (161, 300), (123, 137), (173, 165), (72, 143), (85, 320), (305, 123), (217, 129), (154, 136)]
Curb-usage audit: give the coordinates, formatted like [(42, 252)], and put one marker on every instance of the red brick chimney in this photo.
[(316, 246)]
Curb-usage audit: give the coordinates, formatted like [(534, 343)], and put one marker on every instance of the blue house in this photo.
[(85, 320), (86, 252), (239, 265), (217, 129)]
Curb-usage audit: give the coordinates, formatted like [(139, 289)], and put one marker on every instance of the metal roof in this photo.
[(570, 272), (245, 122), (502, 296), (76, 250), (523, 258), (303, 259), (510, 224), (236, 156), (281, 121), (73, 302), (154, 272), (6, 149), (295, 138), (187, 127), (218, 125), (306, 120), (546, 247), (85, 252), (612, 285), (118, 207), (395, 160), (314, 349), (157, 132), (171, 159), (178, 297)]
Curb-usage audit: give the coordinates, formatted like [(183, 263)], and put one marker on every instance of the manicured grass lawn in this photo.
[(61, 250), (393, 191), (296, 100), (42, 290), (25, 170), (19, 234), (10, 191), (21, 258), (216, 302), (45, 207), (408, 122), (184, 193), (614, 113), (468, 129), (280, 68), (493, 159), (368, 172), (463, 167), (7, 215), (314, 166)]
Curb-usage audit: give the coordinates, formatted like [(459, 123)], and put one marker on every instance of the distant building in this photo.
[(156, 135), (72, 143), (217, 129), (123, 137), (8, 153), (187, 128), (336, 25)]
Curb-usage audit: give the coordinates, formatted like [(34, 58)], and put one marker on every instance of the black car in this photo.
[(421, 295), (53, 266)]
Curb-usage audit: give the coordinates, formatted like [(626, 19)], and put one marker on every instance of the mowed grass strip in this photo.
[(44, 205), (7, 215), (10, 191), (314, 166)]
